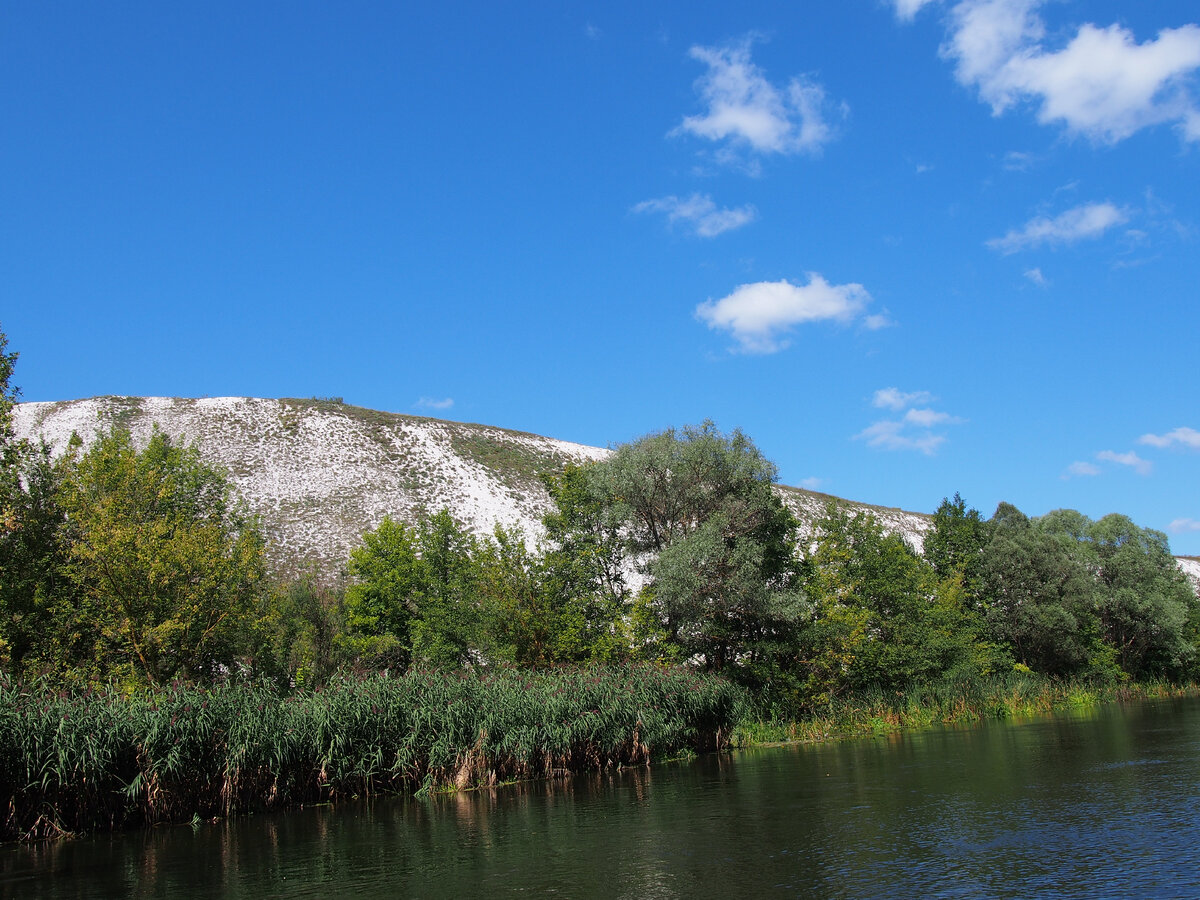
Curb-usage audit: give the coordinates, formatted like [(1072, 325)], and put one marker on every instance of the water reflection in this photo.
[(1100, 804)]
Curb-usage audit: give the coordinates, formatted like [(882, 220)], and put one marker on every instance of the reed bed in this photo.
[(953, 701), (75, 761)]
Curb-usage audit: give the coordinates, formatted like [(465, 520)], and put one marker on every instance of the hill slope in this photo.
[(320, 473)]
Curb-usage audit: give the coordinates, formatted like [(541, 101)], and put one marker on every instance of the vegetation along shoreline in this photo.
[(154, 668)]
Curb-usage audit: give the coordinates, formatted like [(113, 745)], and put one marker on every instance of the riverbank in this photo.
[(99, 760), (948, 703)]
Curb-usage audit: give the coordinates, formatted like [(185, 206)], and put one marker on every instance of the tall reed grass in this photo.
[(88, 760)]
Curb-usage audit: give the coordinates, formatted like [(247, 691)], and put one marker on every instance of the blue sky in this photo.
[(912, 248)]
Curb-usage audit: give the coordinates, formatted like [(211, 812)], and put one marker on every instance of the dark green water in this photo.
[(1101, 804)]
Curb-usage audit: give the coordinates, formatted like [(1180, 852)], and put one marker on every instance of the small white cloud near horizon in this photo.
[(435, 403), (1182, 526), (1089, 220), (758, 315), (812, 484), (1102, 84), (1131, 459), (699, 213), (1081, 469), (1186, 437), (746, 110), (914, 430)]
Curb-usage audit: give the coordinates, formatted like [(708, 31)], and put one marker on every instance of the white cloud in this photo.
[(906, 10), (1017, 161), (758, 314), (812, 484), (889, 435), (1131, 459), (1081, 469), (875, 321), (1179, 526), (1187, 437), (894, 398), (1101, 84), (700, 213), (927, 418), (1089, 220), (746, 110), (914, 430), (435, 403), (1035, 275)]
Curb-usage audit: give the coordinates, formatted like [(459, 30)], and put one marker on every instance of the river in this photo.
[(1103, 802)]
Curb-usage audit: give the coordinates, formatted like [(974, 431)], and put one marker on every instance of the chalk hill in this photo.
[(319, 473)]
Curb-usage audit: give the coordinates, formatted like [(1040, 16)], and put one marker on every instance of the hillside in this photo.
[(320, 473)]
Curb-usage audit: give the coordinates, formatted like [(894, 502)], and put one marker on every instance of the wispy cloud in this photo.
[(1089, 220), (699, 213), (1184, 437), (746, 111), (875, 321), (912, 431), (927, 418), (1018, 161), (894, 398), (1035, 275), (1181, 526), (759, 315), (1081, 470), (435, 403), (1101, 84), (1130, 459), (906, 10), (812, 484)]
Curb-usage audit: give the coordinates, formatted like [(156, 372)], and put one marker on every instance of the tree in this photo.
[(1036, 596), (1145, 602), (168, 564), (387, 588), (956, 541), (879, 620), (34, 589), (695, 512), (414, 594)]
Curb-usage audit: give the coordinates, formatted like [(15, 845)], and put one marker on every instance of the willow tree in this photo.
[(697, 515)]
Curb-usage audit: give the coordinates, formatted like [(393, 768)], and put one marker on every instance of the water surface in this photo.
[(1103, 803)]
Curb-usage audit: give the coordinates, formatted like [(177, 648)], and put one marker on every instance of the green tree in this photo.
[(414, 594), (1145, 602), (1036, 596), (387, 589), (301, 623), (879, 620), (35, 593), (957, 539), (695, 512), (446, 629), (168, 564)]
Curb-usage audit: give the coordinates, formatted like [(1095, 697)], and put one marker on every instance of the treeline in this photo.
[(139, 567)]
